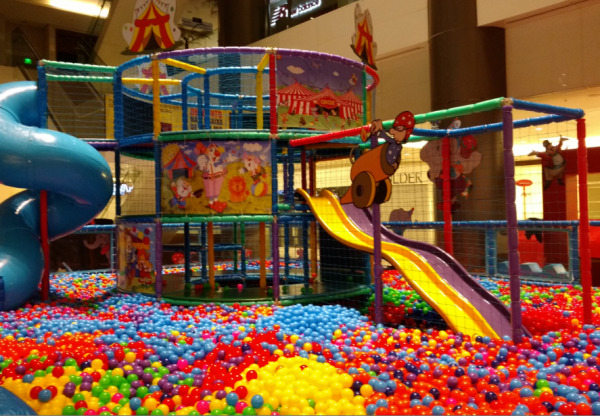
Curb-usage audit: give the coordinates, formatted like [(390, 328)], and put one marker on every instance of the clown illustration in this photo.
[(131, 260), (181, 190), (553, 162), (214, 172), (370, 173), (253, 166), (145, 267)]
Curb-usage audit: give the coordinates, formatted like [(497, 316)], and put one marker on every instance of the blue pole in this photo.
[(117, 181), (286, 253), (491, 250), (2, 294), (42, 101), (243, 244), (186, 252), (113, 254), (305, 250), (203, 253), (574, 252), (184, 106), (290, 183), (206, 103), (119, 131)]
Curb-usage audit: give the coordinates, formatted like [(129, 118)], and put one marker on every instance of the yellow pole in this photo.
[(156, 98), (211, 255), (259, 87), (184, 66), (151, 80), (262, 233)]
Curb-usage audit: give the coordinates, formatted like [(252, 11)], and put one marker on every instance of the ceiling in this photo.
[(51, 12)]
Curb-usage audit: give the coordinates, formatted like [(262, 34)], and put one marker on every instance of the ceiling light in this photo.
[(80, 7)]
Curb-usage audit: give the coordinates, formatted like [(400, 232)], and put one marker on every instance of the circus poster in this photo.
[(136, 259), (212, 178), (317, 94)]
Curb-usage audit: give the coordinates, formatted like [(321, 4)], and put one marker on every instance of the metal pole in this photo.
[(511, 223)]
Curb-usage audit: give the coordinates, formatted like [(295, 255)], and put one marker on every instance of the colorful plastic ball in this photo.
[(257, 401)]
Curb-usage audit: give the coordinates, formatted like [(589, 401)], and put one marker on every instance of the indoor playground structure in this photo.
[(227, 206)]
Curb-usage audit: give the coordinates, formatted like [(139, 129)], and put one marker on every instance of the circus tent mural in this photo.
[(152, 20)]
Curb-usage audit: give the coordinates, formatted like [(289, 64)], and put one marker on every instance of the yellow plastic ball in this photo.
[(366, 390), (97, 364), (151, 403), (118, 371), (308, 410)]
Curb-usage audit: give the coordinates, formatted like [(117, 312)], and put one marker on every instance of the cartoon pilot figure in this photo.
[(370, 173), (395, 137), (553, 162)]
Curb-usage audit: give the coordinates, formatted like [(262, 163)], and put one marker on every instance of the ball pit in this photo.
[(93, 352)]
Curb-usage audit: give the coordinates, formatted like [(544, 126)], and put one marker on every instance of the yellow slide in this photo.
[(457, 311)]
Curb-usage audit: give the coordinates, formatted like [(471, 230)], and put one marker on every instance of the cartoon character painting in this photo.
[(464, 159), (181, 190), (253, 166), (401, 215), (237, 189), (553, 162), (370, 173), (136, 253), (131, 260), (214, 172), (145, 267)]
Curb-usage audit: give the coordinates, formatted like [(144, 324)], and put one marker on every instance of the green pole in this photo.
[(235, 252)]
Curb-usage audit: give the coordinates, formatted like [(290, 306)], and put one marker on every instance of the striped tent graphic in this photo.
[(180, 163), (353, 105), (154, 18), (293, 97)]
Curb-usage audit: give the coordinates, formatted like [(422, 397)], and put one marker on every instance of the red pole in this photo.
[(584, 224), (312, 175), (446, 192), (303, 167), (45, 244)]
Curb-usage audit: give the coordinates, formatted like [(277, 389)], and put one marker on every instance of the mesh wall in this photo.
[(81, 109), (137, 172)]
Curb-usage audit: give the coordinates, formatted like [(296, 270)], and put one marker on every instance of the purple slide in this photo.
[(488, 305)]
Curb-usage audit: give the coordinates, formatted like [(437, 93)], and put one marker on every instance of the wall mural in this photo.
[(318, 94), (136, 258), (153, 26), (201, 177), (362, 39)]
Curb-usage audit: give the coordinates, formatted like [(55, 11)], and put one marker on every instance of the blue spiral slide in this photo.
[(76, 177)]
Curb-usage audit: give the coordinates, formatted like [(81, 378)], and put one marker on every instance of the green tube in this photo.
[(217, 219), (235, 253), (233, 134), (284, 207), (81, 67), (78, 78), (493, 104)]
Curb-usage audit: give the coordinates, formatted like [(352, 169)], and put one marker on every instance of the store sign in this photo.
[(283, 11), (123, 189), (413, 178)]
